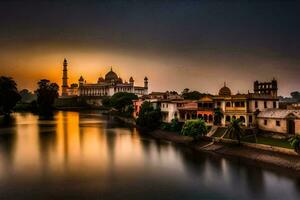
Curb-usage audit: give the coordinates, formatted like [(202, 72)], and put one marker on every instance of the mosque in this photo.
[(107, 86)]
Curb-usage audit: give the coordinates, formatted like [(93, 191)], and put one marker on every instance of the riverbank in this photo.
[(278, 161)]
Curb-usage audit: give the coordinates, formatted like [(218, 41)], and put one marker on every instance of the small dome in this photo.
[(111, 75), (224, 91), (81, 78), (131, 79), (100, 79), (146, 79)]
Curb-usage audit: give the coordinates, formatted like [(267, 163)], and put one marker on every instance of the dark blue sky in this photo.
[(249, 40)]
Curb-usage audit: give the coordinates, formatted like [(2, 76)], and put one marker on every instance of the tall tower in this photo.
[(65, 79), (146, 85)]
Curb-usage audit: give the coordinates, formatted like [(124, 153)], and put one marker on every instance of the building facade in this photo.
[(279, 121), (107, 86), (233, 106)]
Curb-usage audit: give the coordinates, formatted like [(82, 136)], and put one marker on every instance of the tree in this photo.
[(296, 95), (27, 96), (9, 95), (185, 90), (194, 128), (149, 117), (192, 95), (175, 125), (47, 92), (122, 100), (295, 143), (235, 130), (218, 116), (106, 101)]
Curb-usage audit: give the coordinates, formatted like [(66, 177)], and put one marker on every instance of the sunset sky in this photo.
[(176, 44)]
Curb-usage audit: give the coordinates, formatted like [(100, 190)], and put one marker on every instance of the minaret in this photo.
[(65, 79), (146, 84)]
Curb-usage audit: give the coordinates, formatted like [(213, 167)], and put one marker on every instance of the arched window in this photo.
[(227, 118)]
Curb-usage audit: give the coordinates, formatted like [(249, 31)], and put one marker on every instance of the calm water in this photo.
[(88, 156)]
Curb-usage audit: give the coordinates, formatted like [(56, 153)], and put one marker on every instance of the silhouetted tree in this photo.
[(193, 95), (296, 95), (9, 95), (27, 96), (122, 100), (47, 92), (149, 117)]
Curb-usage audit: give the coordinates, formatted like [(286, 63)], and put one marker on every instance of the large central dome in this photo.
[(224, 91), (111, 76)]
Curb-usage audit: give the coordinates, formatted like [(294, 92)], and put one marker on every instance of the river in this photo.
[(87, 155)]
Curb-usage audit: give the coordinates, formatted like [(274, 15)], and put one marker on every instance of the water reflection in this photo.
[(88, 155)]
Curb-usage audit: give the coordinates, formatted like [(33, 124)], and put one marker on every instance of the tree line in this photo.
[(46, 93)]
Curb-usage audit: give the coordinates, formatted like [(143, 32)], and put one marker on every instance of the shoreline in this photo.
[(288, 164)]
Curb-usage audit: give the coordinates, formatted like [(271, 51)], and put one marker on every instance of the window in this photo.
[(242, 104), (274, 104), (266, 122), (277, 123), (218, 103), (227, 104), (265, 104), (256, 104)]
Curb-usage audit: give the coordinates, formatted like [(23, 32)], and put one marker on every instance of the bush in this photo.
[(194, 128), (175, 125), (47, 92), (166, 126), (295, 143), (149, 117), (121, 100)]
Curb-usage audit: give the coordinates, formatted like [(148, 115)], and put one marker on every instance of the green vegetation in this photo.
[(258, 139), (218, 116), (284, 143), (194, 128), (295, 143), (149, 117), (122, 102), (9, 95), (191, 95), (235, 130), (174, 126), (47, 92)]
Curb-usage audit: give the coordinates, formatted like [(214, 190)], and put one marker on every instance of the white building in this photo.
[(279, 121), (107, 86)]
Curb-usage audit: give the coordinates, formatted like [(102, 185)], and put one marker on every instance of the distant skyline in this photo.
[(176, 44)]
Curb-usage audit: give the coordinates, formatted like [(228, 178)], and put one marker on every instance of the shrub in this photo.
[(295, 143), (194, 128), (149, 117)]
